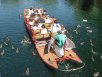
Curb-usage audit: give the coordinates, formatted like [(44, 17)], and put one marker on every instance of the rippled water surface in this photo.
[(82, 19)]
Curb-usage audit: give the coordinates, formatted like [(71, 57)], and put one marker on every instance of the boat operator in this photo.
[(58, 44)]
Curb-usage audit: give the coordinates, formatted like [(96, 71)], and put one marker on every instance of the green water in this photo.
[(69, 13)]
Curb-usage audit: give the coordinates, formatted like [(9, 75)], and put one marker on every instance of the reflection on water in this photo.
[(10, 2), (73, 14), (48, 2), (87, 4)]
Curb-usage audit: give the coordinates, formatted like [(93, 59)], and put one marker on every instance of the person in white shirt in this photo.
[(44, 12), (30, 12), (53, 19), (31, 22), (40, 25), (34, 27), (43, 30), (55, 27), (39, 11), (36, 17), (47, 20)]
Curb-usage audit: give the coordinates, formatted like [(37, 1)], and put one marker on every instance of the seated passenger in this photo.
[(31, 22), (53, 19), (47, 20), (30, 12), (36, 17), (35, 27), (43, 30), (44, 12), (55, 27), (40, 25), (40, 10)]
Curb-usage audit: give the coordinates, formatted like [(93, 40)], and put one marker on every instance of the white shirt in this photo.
[(56, 27), (39, 11), (44, 31), (36, 18), (30, 12), (48, 20), (40, 25), (31, 23), (34, 27)]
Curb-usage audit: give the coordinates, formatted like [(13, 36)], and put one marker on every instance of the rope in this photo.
[(74, 69)]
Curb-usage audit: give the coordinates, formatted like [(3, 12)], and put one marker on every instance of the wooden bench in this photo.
[(42, 36)]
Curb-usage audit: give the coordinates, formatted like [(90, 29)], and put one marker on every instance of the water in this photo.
[(70, 13)]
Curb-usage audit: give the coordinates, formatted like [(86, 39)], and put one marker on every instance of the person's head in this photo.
[(30, 19), (46, 17), (55, 21), (36, 22), (31, 8), (43, 26), (45, 10), (59, 32)]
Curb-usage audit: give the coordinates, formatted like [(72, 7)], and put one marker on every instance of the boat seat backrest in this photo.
[(42, 36), (47, 25), (38, 36), (37, 31)]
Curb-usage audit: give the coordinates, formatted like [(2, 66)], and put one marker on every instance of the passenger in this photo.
[(36, 11), (53, 19), (63, 29), (41, 20), (45, 12), (40, 25), (55, 27), (30, 12), (43, 30), (47, 20), (31, 22), (39, 11), (36, 18), (35, 27), (58, 44)]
